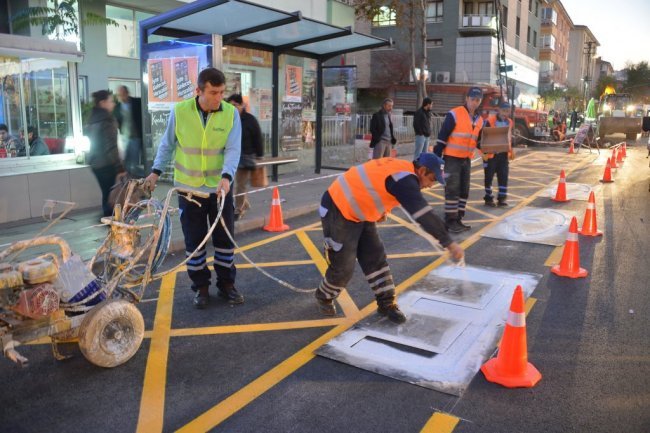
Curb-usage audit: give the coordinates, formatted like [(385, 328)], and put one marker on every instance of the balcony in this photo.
[(477, 25)]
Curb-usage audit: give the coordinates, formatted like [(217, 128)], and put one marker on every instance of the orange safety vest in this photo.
[(492, 121), (462, 140), (360, 193)]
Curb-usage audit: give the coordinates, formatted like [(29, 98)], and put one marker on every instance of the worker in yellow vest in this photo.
[(205, 132), (457, 140), (498, 163), (349, 211)]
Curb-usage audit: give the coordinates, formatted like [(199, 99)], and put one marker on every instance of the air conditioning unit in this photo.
[(442, 77)]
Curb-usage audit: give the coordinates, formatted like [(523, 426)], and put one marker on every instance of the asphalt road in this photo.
[(251, 367)]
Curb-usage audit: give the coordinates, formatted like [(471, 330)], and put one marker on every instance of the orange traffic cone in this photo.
[(275, 216), (624, 150), (607, 174), (560, 195), (570, 264), (612, 160), (619, 155), (589, 224), (571, 149), (511, 367)]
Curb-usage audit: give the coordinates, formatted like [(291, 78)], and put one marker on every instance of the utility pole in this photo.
[(589, 51), (502, 67)]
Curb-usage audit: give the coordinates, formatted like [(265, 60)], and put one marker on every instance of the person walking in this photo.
[(422, 127), (381, 129), (498, 163), (458, 139), (252, 147), (129, 119), (574, 119), (103, 157), (349, 211), (205, 133)]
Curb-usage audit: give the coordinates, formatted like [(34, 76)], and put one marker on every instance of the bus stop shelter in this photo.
[(238, 23)]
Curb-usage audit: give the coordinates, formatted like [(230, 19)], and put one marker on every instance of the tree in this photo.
[(638, 81), (410, 15), (575, 98), (58, 19), (550, 96), (603, 83)]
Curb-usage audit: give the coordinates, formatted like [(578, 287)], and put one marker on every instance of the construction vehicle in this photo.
[(617, 114)]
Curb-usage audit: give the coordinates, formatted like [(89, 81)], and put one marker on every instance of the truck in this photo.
[(617, 114), (528, 123)]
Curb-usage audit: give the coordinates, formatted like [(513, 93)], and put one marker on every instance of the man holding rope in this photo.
[(349, 211), (205, 132)]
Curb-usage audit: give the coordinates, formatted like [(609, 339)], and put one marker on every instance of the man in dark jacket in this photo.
[(37, 146), (422, 127), (381, 128), (129, 120), (103, 157), (252, 147)]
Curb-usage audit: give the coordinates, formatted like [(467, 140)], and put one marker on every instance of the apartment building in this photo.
[(556, 26), (603, 69), (583, 47)]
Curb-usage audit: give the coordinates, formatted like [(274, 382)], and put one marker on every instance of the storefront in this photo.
[(274, 59), (40, 127)]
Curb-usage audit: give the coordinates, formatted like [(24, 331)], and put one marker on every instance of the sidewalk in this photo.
[(300, 194)]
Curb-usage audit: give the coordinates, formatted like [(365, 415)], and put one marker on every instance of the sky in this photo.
[(622, 27)]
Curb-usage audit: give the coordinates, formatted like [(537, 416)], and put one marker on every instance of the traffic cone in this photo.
[(560, 195), (589, 224), (571, 149), (612, 160), (276, 224), (570, 264), (624, 150), (607, 174), (511, 367), (619, 155)]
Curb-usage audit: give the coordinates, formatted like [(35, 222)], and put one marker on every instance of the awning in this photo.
[(26, 47), (239, 21)]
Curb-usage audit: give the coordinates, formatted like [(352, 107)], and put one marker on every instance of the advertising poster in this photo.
[(261, 103), (293, 83), (291, 126), (160, 83), (186, 72), (233, 83)]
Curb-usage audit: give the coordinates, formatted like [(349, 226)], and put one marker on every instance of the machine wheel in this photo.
[(519, 134), (111, 333)]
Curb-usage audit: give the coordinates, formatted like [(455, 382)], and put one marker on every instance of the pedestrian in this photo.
[(381, 129), (457, 141), (498, 163), (129, 119), (252, 148), (9, 145), (574, 119), (37, 146), (103, 157), (349, 211), (422, 127), (205, 133)]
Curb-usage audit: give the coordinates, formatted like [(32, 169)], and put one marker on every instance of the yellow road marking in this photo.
[(275, 264), (256, 327), (413, 255), (529, 181), (152, 404), (486, 220), (555, 256), (275, 238), (440, 423)]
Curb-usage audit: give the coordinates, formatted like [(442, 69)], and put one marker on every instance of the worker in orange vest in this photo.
[(498, 163), (349, 211), (457, 140)]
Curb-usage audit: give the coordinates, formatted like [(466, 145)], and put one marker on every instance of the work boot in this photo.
[(502, 203), (393, 313), (454, 226), (326, 307), (463, 225), (231, 295), (201, 297), (490, 202)]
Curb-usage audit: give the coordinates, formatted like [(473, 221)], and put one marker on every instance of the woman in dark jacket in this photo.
[(103, 157)]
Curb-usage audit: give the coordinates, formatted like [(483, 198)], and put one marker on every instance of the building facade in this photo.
[(583, 47), (556, 25)]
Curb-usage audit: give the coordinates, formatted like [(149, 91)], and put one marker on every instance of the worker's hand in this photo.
[(511, 155), (456, 252), (224, 185), (150, 182), (430, 149), (485, 157)]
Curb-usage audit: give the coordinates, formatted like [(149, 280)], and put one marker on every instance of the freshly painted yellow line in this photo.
[(414, 255), (275, 264), (529, 181), (256, 327), (152, 404), (275, 238), (478, 221), (440, 423), (555, 256)]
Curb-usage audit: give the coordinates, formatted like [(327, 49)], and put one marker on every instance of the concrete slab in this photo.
[(536, 225), (455, 318)]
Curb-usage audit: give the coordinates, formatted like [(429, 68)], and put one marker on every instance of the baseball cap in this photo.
[(433, 163), (475, 92)]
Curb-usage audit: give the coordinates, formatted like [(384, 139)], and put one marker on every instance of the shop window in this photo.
[(124, 40)]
